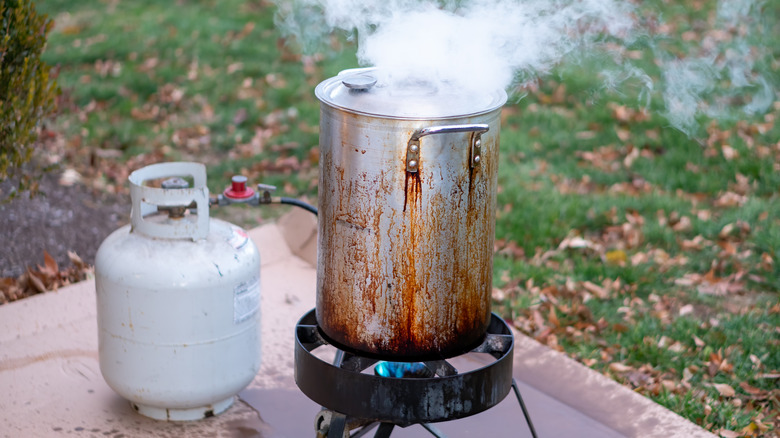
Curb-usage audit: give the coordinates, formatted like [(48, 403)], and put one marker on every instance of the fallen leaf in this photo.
[(50, 264), (639, 258), (616, 257), (697, 243), (553, 317), (729, 153), (622, 133), (149, 64), (70, 177), (234, 67), (730, 199), (576, 242), (620, 328), (595, 289), (35, 282), (725, 433), (724, 389), (752, 390), (767, 262), (620, 367), (684, 224), (628, 161), (585, 135)]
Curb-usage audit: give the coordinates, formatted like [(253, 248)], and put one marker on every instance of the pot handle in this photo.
[(475, 148)]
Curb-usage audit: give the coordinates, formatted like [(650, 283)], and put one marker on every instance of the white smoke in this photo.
[(722, 79), (478, 45), (482, 45)]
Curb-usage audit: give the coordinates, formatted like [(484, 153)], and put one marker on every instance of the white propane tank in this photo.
[(177, 301)]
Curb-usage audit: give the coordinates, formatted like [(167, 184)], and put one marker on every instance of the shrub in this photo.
[(27, 92)]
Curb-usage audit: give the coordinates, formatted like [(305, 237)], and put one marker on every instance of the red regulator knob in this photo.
[(238, 189)]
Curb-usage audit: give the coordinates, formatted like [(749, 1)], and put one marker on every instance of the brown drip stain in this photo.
[(464, 318), (412, 209), (471, 170), (413, 190)]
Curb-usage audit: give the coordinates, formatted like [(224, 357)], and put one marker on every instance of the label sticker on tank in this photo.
[(238, 237), (246, 300)]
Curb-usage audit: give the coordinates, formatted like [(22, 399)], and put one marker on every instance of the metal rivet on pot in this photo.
[(476, 159), (414, 148), (413, 164)]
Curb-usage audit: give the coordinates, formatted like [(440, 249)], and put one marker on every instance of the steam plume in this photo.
[(723, 80), (477, 45), (482, 45)]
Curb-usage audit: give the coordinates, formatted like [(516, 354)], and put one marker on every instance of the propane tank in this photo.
[(178, 298)]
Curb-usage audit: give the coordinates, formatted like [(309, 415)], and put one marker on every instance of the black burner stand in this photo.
[(358, 400)]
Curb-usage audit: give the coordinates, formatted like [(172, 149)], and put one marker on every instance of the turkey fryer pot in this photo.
[(407, 197)]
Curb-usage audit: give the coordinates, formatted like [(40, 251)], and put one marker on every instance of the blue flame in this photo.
[(401, 369)]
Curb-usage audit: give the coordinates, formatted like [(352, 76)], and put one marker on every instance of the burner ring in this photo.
[(448, 395)]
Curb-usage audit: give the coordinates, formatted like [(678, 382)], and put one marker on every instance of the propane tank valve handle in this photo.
[(265, 190)]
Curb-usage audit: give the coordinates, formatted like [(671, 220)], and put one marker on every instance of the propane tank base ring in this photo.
[(188, 414)]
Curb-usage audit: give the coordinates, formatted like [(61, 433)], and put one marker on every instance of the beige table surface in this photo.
[(51, 386)]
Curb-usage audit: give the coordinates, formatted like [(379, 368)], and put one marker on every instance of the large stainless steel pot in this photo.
[(407, 196)]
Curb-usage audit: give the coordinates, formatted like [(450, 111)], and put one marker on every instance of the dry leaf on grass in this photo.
[(725, 433), (724, 389)]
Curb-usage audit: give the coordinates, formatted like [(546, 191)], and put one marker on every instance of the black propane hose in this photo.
[(257, 199), (298, 203)]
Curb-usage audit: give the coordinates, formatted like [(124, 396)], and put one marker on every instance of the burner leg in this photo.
[(338, 427), (338, 359), (329, 424), (384, 431), (522, 406), (433, 430), (364, 430)]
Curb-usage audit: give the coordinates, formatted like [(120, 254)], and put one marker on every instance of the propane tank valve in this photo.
[(238, 191), (175, 183), (176, 211)]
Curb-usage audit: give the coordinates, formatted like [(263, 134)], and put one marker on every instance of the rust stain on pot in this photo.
[(412, 188), (407, 274)]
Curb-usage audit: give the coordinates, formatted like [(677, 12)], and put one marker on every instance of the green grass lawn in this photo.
[(646, 254)]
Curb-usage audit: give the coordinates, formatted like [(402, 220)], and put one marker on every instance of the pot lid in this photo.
[(361, 91)]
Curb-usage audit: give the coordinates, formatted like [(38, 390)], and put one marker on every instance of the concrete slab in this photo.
[(50, 381)]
